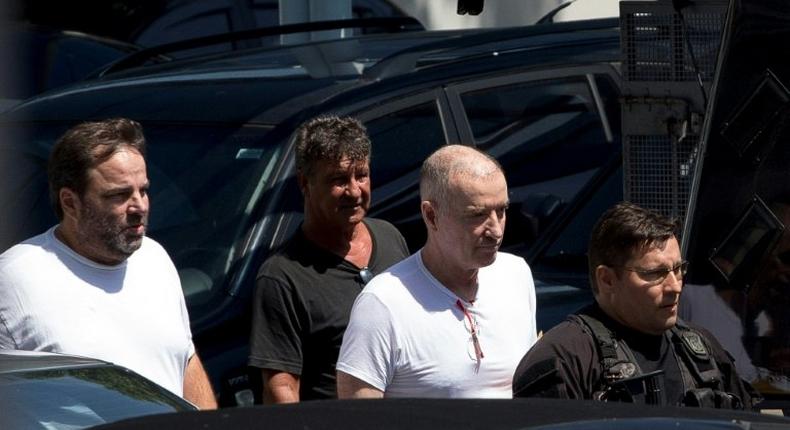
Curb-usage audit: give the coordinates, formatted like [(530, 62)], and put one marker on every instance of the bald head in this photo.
[(449, 164)]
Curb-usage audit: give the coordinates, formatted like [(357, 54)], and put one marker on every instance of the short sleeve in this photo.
[(275, 340), (562, 364), (10, 310), (368, 350), (187, 328), (532, 302), (178, 297), (390, 245)]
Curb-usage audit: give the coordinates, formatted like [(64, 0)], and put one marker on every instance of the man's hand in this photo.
[(280, 387), (197, 388), (350, 387)]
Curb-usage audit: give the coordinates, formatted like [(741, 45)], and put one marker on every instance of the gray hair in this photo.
[(453, 161)]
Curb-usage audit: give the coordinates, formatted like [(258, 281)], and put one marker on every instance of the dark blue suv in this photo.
[(543, 100)]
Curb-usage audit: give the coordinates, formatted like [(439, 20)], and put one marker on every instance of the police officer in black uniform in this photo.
[(630, 345)]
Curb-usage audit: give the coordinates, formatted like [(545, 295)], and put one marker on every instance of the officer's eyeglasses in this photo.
[(657, 276), (365, 275)]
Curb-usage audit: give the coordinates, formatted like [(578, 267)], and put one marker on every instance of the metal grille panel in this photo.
[(662, 98), (658, 173), (654, 47)]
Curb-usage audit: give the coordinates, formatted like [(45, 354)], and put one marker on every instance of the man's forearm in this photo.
[(280, 395), (280, 387), (197, 388)]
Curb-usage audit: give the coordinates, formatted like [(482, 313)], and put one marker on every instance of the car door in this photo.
[(556, 135), (551, 130), (404, 131)]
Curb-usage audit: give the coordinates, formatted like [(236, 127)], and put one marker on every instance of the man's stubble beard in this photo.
[(109, 234)]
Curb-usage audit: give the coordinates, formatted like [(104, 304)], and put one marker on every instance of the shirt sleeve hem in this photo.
[(362, 376), (275, 365)]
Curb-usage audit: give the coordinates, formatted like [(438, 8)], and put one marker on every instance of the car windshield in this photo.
[(79, 398), (205, 183)]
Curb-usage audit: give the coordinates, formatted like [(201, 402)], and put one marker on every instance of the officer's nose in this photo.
[(674, 282)]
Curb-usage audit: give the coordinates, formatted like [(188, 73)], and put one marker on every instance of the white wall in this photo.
[(588, 9), (441, 14)]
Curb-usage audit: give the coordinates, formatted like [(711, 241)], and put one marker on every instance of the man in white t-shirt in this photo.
[(94, 285), (454, 319)]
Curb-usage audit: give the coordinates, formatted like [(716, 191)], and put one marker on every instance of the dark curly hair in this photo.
[(330, 138)]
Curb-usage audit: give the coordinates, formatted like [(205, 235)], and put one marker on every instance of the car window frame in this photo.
[(394, 191), (456, 91)]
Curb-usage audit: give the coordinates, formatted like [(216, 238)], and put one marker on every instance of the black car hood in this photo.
[(417, 414)]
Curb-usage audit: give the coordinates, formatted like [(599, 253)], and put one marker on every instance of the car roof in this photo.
[(163, 53), (12, 361), (402, 41), (241, 90), (157, 21)]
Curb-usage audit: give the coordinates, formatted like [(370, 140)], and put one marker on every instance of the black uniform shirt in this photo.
[(565, 362), (651, 353)]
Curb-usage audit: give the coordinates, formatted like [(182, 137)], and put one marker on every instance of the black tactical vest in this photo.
[(623, 380)]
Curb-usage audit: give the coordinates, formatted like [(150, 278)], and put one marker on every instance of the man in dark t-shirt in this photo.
[(630, 345), (305, 291)]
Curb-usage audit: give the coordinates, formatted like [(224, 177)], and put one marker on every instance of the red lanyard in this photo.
[(473, 330)]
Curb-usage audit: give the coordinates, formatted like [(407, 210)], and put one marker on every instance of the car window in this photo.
[(565, 256), (71, 59), (549, 137), (559, 260), (187, 20), (79, 398), (46, 59), (205, 184), (207, 188), (402, 140), (267, 12), (530, 127)]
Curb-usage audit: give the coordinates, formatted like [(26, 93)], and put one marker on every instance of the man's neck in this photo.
[(462, 282), (68, 236), (351, 242), (65, 237), (611, 312)]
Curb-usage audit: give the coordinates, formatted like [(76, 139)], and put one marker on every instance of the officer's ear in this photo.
[(606, 278)]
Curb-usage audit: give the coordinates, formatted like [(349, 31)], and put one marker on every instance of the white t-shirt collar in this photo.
[(62, 247)]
